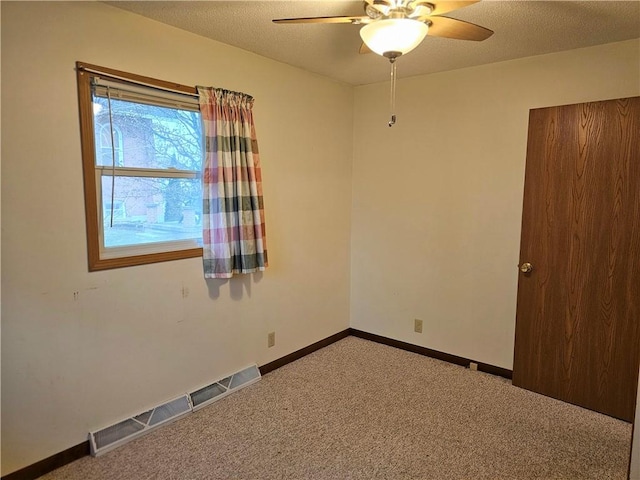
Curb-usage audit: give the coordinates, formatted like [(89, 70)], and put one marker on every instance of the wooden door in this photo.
[(578, 315)]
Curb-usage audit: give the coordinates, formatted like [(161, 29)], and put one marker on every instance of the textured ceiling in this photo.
[(522, 29)]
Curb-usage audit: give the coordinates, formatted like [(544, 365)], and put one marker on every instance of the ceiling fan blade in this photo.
[(445, 6), (379, 2), (355, 20), (453, 28), (364, 49)]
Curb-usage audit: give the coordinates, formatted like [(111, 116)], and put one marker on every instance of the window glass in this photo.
[(150, 210), (149, 136)]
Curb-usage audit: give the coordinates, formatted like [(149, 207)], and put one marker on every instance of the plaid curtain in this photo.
[(233, 212)]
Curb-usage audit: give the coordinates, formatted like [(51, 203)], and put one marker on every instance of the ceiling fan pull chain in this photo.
[(393, 92)]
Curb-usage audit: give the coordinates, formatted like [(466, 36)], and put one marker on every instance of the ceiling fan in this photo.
[(392, 28)]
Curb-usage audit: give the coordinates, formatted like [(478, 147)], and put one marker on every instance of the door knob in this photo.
[(526, 267)]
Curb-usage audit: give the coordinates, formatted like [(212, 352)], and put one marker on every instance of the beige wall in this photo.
[(131, 340), (437, 199)]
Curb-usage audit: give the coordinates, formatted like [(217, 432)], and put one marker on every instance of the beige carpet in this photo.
[(360, 410)]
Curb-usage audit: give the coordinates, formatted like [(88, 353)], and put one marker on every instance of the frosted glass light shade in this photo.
[(393, 35)]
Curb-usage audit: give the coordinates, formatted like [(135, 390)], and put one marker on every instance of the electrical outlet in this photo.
[(417, 326), (271, 339)]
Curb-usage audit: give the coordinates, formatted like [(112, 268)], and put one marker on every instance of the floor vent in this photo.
[(217, 390), (111, 437), (126, 430)]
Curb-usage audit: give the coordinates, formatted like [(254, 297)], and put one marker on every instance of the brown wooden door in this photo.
[(578, 315)]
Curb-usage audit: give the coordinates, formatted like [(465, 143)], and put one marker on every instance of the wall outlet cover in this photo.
[(417, 326)]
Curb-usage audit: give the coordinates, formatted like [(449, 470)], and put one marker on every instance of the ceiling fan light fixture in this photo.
[(394, 35)]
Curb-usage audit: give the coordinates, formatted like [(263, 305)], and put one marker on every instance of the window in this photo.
[(142, 159), (108, 145)]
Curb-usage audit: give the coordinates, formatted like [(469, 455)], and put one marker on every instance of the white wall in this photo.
[(437, 199), (131, 340)]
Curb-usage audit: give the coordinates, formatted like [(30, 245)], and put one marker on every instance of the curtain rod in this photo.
[(135, 82)]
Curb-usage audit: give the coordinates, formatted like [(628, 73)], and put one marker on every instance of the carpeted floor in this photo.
[(361, 410)]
